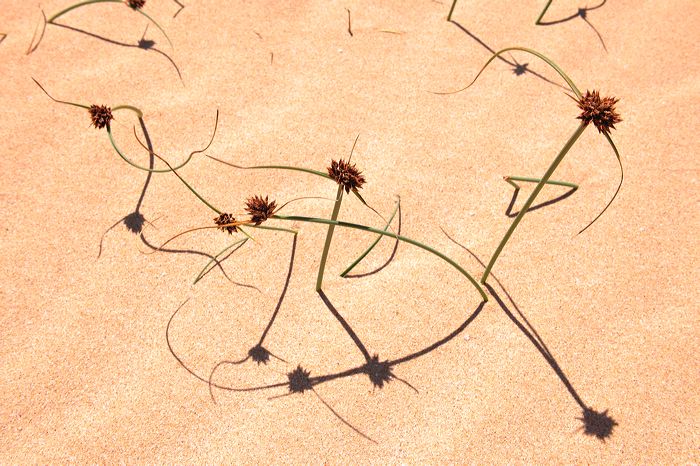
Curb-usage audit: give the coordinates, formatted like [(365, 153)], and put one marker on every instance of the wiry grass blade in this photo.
[(212, 262), (556, 67)]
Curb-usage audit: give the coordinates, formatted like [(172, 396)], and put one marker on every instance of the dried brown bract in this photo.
[(299, 380), (346, 174), (599, 111), (260, 209), (136, 4), (100, 115), (223, 221)]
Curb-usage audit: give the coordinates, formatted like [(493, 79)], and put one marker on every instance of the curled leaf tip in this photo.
[(599, 110), (260, 209), (346, 175), (100, 115)]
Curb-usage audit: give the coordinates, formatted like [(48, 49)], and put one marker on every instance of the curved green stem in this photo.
[(78, 5), (136, 110), (564, 76), (376, 241), (510, 180), (386, 233), (546, 7), (134, 164), (569, 144), (329, 237), (215, 259), (278, 167), (158, 26)]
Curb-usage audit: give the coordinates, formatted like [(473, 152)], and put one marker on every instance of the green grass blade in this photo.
[(556, 67), (274, 167), (212, 262), (619, 186), (376, 241)]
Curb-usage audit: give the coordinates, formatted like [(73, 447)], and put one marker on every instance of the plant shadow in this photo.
[(581, 13), (516, 191), (595, 423), (143, 44), (518, 69)]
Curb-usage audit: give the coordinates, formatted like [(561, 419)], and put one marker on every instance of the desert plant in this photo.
[(598, 110), (101, 117)]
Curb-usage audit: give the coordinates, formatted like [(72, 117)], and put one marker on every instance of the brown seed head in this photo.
[(599, 111), (100, 115), (346, 174), (299, 380), (225, 219), (136, 4), (260, 209)]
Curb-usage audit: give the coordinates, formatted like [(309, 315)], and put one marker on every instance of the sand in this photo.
[(606, 320)]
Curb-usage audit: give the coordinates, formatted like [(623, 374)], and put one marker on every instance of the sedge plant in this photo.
[(600, 111)]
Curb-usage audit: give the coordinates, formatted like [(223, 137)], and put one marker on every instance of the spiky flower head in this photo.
[(260, 209), (346, 174), (599, 111), (299, 380), (100, 115), (226, 219), (136, 4)]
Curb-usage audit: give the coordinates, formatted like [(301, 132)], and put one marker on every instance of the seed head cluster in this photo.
[(599, 111), (346, 174), (100, 115), (260, 209), (136, 4), (226, 219)]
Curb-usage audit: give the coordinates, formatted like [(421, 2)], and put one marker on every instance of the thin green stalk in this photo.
[(376, 241), (386, 233), (329, 237), (452, 9), (215, 259), (556, 68), (546, 7), (134, 164), (78, 5), (532, 197), (279, 167), (510, 180)]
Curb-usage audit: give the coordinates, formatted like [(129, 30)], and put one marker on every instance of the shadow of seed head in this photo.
[(599, 111), (259, 354), (346, 174), (136, 4), (260, 209), (582, 12), (146, 44), (225, 219), (134, 222), (379, 372), (519, 69), (100, 115), (299, 380), (597, 424)]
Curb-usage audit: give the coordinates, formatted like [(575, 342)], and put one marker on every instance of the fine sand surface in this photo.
[(607, 320)]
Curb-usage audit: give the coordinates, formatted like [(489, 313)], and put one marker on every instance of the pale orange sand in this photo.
[(87, 375)]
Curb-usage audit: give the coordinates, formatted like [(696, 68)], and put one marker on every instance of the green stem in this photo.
[(376, 241), (532, 197), (452, 9), (510, 180), (136, 110), (78, 5), (135, 165), (386, 233), (546, 7), (215, 259), (329, 237)]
